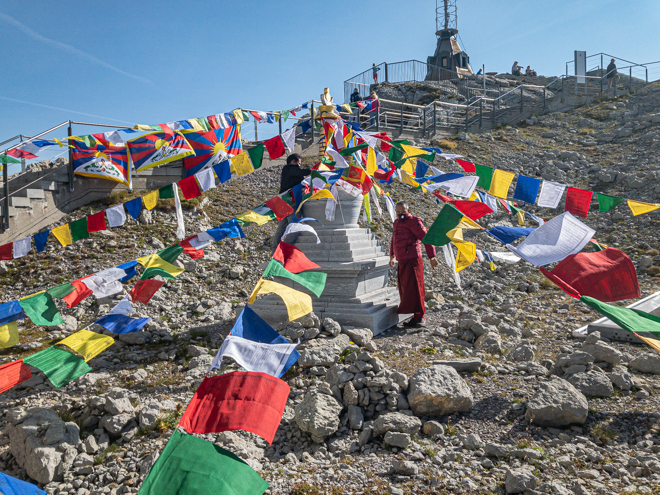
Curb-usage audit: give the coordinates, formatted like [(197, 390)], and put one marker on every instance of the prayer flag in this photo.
[(144, 290), (60, 291), (62, 234), (578, 201), (222, 171), (21, 247), (119, 323), (485, 175), (6, 159), (253, 217), (468, 167), (79, 229), (104, 161), (472, 209), (607, 203), (102, 287), (116, 216), (157, 148), (211, 148), (312, 281), (11, 374), (13, 486), (551, 194), (206, 179), (155, 265), (238, 400), (40, 240), (256, 155), (195, 253), (506, 235), (500, 183), (323, 193), (80, 292), (289, 138), (130, 270), (123, 307), (87, 343), (7, 251), (59, 365), (96, 222), (242, 164), (8, 334), (255, 356), (166, 192), (275, 147), (297, 303), (639, 208), (150, 200), (280, 207), (293, 259), (189, 187), (460, 186), (447, 220), (41, 309), (230, 229), (294, 227), (191, 466), (11, 311), (134, 207), (607, 275), (526, 189), (180, 225)]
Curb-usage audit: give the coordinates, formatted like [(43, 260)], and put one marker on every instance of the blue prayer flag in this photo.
[(230, 229), (130, 270), (506, 235), (134, 207), (122, 323), (430, 150), (444, 177), (305, 105), (526, 189), (40, 240), (305, 126), (222, 171), (421, 169), (13, 486), (11, 311), (297, 191)]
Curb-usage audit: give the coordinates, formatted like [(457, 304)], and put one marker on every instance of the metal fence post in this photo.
[(481, 112), (378, 117), (256, 131), (630, 80), (280, 122), (5, 178), (70, 161), (22, 159), (434, 118), (467, 127), (386, 74), (401, 123), (312, 121)]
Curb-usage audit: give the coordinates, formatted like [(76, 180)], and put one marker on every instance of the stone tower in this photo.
[(448, 53)]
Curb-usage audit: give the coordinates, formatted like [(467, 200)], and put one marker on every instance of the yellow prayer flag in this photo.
[(323, 193), (87, 343), (639, 208), (347, 108), (500, 183), (474, 196), (238, 115), (410, 165), (371, 162), (467, 253), (142, 127), (197, 127), (155, 261), (406, 178), (253, 217), (521, 217), (297, 303), (242, 164), (63, 234), (8, 335), (150, 200)]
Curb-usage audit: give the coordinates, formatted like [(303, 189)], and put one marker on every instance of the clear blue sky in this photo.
[(151, 62)]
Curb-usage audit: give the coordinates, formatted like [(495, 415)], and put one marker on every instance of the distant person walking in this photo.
[(612, 76), (355, 97), (375, 70), (516, 69)]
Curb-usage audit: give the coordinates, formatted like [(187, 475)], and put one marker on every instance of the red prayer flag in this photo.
[(190, 250), (11, 374), (466, 166), (144, 290), (293, 259), (471, 209), (239, 400), (275, 147), (384, 175), (7, 251), (280, 207), (607, 275), (81, 292), (213, 123), (19, 153), (189, 187), (96, 222), (578, 201)]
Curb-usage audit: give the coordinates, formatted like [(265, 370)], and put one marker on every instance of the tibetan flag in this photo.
[(59, 365), (280, 207), (239, 400), (256, 155), (293, 259), (312, 281), (13, 486), (157, 148), (468, 167), (41, 309), (211, 148), (8, 334), (189, 187), (11, 311), (607, 275), (63, 234), (73, 298), (500, 183), (298, 304), (11, 374), (639, 208), (607, 203), (275, 147), (118, 323), (87, 343), (471, 209), (191, 466), (527, 189), (578, 201), (144, 290), (96, 222), (79, 229), (101, 161), (444, 227), (485, 175), (241, 164)]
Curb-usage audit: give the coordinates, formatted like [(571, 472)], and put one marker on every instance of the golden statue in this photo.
[(327, 107)]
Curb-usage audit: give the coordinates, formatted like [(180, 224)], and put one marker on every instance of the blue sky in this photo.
[(152, 62)]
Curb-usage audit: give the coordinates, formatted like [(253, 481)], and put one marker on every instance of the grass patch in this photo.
[(101, 458), (450, 145)]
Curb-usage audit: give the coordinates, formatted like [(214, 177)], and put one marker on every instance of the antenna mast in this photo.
[(446, 17)]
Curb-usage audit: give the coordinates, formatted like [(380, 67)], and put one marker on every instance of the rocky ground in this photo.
[(495, 396)]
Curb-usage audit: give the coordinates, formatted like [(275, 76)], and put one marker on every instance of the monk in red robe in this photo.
[(406, 249)]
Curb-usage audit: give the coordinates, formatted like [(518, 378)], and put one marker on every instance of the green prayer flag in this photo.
[(448, 218), (632, 320), (318, 175), (79, 229), (607, 203), (485, 176), (597, 246), (313, 281), (166, 192), (246, 115), (350, 151), (170, 253), (191, 466), (514, 208), (61, 291), (89, 141), (271, 214), (396, 154), (41, 309), (285, 115), (256, 155), (204, 122), (59, 365), (5, 159)]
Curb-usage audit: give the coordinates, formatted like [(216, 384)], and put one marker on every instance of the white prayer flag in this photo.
[(204, 237), (480, 256), (102, 288), (180, 227), (22, 247), (554, 240), (114, 138), (300, 227), (374, 196), (123, 307), (551, 193), (111, 274), (449, 156), (254, 356), (331, 206), (200, 244), (116, 216), (491, 202), (502, 257), (367, 136), (451, 263), (463, 186), (391, 208), (289, 138), (206, 179), (340, 161)]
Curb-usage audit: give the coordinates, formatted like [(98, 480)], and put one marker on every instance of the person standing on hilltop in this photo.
[(375, 72), (612, 75), (292, 175), (406, 248)]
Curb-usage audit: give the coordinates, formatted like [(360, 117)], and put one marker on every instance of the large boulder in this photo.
[(396, 422), (437, 391), (40, 456), (361, 336), (489, 342), (519, 480), (557, 403), (592, 383), (318, 415), (646, 363), (602, 352), (319, 356)]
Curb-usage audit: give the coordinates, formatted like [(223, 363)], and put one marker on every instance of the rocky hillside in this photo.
[(495, 396)]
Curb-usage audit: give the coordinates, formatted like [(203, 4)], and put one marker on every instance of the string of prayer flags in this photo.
[(11, 311), (312, 281), (8, 334), (254, 356), (59, 365), (41, 309), (144, 290), (134, 207), (293, 259), (247, 401), (280, 207), (608, 275), (191, 466), (11, 374), (189, 188), (87, 343), (578, 201), (256, 155), (554, 240), (63, 234), (298, 304), (242, 164), (507, 235), (485, 175), (275, 147), (120, 323), (639, 208), (13, 486), (527, 188), (500, 183), (158, 148)]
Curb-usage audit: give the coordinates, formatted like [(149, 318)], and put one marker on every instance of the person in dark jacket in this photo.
[(355, 97), (612, 76), (406, 249), (292, 175)]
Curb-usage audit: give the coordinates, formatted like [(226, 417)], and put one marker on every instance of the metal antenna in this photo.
[(446, 17)]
